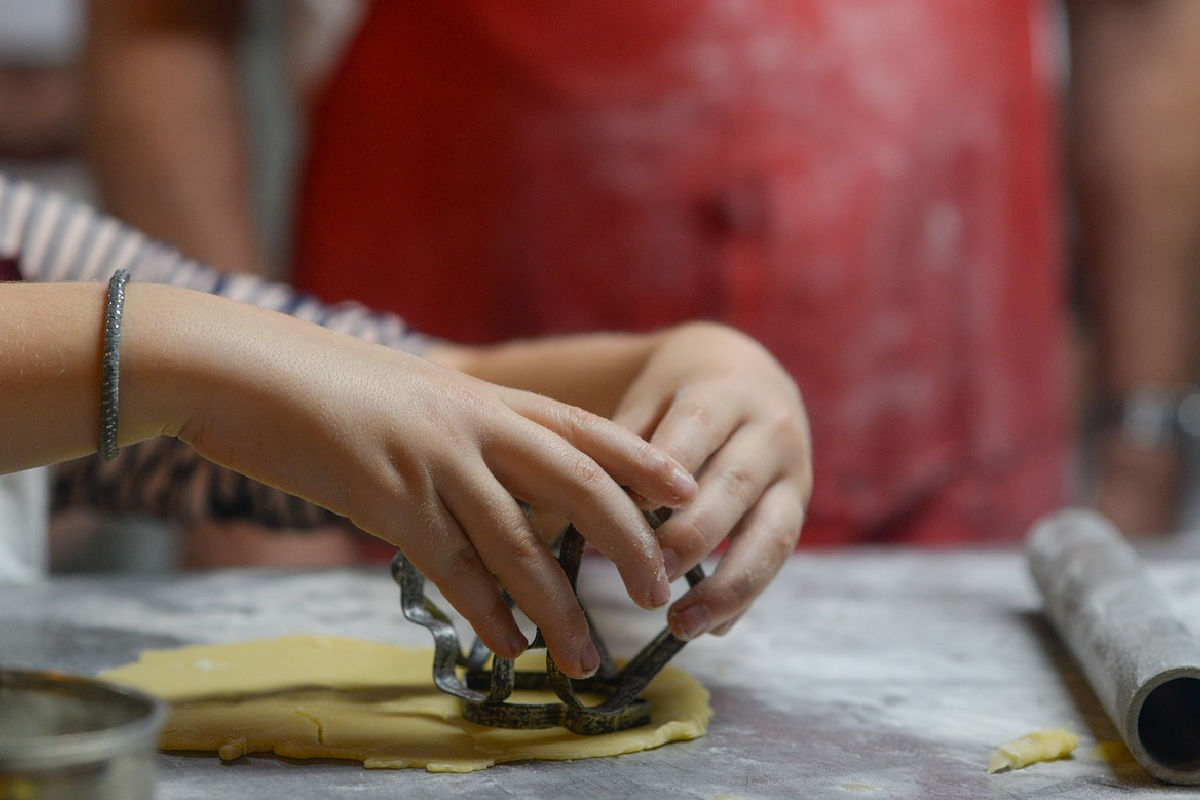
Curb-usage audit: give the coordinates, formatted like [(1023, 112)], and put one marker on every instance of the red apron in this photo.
[(866, 186)]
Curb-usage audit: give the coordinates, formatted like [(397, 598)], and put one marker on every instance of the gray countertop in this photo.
[(888, 674)]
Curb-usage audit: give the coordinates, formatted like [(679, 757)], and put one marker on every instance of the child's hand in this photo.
[(719, 403), (431, 460)]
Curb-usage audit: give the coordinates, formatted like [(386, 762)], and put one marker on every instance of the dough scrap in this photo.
[(1114, 751), (1044, 745), (336, 697)]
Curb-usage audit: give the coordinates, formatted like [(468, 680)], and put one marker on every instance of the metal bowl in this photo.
[(63, 736)]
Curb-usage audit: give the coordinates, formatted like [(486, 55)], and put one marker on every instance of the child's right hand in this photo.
[(428, 459)]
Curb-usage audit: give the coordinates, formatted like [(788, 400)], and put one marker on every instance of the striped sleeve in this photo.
[(52, 238), (57, 239)]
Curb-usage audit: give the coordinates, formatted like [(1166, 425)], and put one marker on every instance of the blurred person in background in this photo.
[(1135, 158), (41, 95), (870, 188)]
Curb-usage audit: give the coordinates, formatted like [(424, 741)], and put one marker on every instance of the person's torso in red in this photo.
[(866, 186)]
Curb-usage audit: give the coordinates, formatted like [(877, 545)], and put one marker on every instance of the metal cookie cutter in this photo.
[(485, 692)]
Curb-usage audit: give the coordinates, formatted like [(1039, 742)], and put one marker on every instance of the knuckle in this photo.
[(790, 521), (740, 482), (742, 588), (575, 423), (690, 536), (780, 543), (586, 475), (560, 621), (784, 422), (654, 459), (459, 561), (698, 413), (491, 614), (731, 593), (407, 476), (526, 554), (785, 425), (805, 486)]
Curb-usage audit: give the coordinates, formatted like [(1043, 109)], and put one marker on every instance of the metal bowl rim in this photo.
[(85, 747)]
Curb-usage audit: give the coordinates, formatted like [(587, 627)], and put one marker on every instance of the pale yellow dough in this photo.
[(1045, 745), (335, 697)]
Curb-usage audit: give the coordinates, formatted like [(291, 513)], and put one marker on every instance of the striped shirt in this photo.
[(48, 237)]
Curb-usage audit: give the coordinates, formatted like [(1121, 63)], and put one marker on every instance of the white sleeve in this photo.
[(23, 513)]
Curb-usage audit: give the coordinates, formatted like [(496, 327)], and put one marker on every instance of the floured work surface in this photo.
[(335, 697)]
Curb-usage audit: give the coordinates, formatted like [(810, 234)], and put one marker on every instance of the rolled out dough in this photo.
[(335, 697)]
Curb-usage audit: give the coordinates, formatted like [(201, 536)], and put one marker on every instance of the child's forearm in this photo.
[(160, 476), (50, 372), (591, 371), (52, 337)]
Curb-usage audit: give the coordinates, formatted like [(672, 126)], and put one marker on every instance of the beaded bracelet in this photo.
[(110, 364)]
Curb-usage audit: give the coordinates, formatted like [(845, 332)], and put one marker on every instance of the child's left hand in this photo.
[(723, 407)]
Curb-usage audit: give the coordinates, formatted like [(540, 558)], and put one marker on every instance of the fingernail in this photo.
[(670, 563), (661, 594), (682, 484), (517, 644), (589, 660), (690, 622)]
